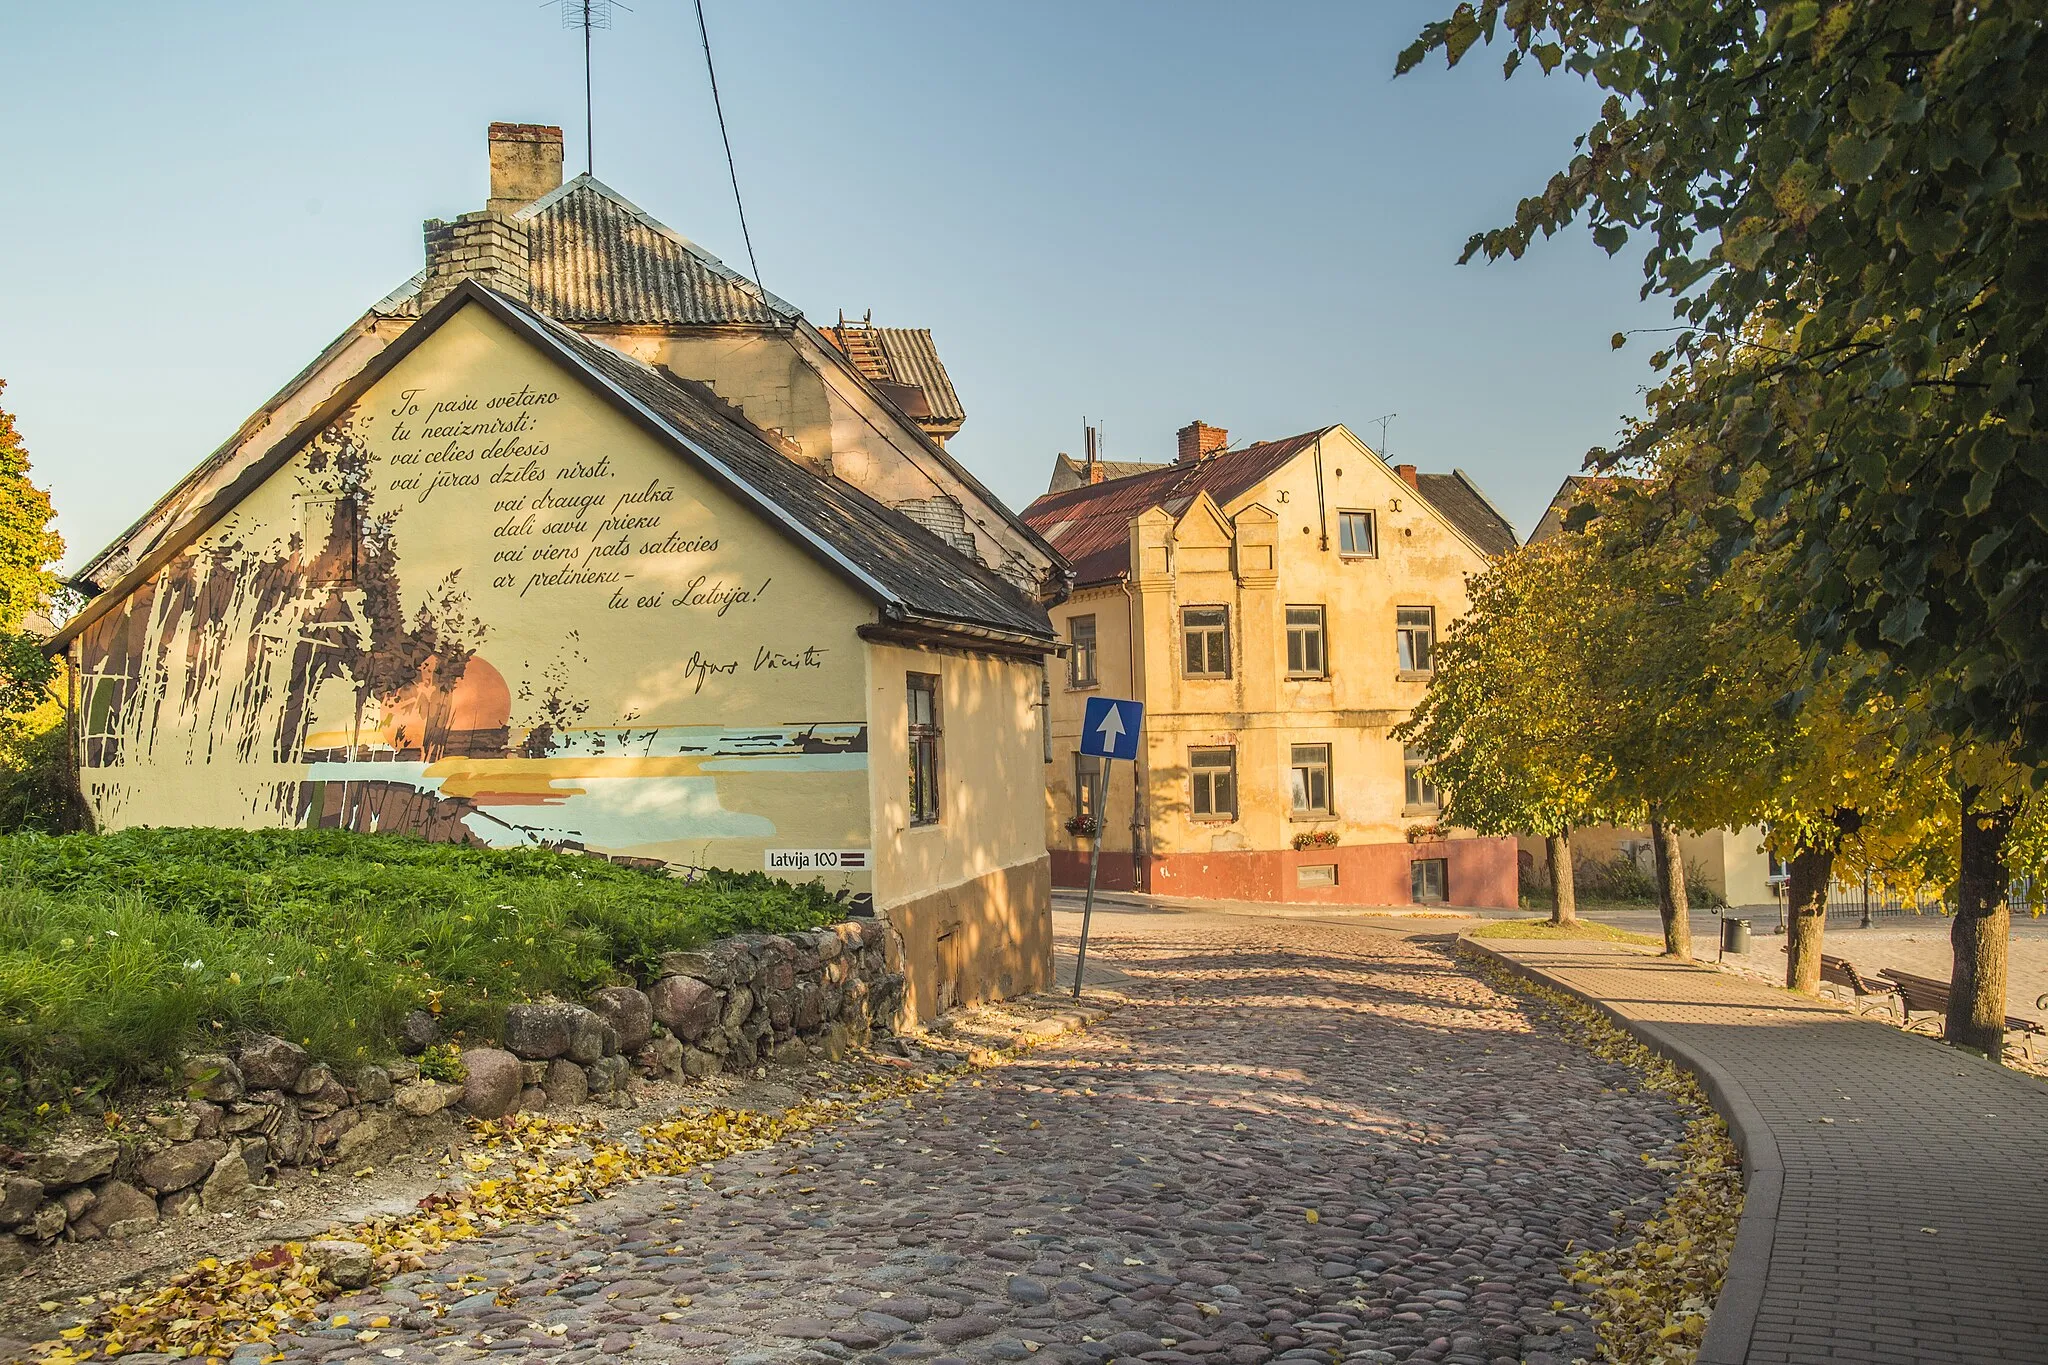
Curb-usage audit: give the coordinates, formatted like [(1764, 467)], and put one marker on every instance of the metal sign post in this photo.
[(1109, 731)]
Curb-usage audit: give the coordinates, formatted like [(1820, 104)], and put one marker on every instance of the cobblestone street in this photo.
[(1300, 1140)]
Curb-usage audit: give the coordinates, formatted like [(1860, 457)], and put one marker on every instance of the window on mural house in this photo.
[(1428, 881), (1087, 772), (1305, 657), (1355, 535), (1415, 637), (330, 538), (1310, 776), (1214, 775), (1205, 636), (1421, 791), (1081, 652), (923, 694)]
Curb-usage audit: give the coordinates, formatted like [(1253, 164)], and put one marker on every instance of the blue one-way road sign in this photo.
[(1109, 727)]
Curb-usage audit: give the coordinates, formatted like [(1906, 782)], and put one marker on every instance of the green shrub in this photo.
[(119, 951)]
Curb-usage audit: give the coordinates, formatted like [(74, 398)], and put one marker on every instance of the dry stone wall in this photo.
[(740, 1003)]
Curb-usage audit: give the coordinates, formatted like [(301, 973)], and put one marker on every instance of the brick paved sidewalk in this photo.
[(1897, 1190)]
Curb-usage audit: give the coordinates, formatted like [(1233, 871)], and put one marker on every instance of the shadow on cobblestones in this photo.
[(1297, 1142)]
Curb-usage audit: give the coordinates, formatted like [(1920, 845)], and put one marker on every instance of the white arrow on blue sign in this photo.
[(1109, 727)]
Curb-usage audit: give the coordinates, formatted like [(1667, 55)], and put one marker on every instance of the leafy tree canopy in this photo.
[(28, 547), (1854, 199)]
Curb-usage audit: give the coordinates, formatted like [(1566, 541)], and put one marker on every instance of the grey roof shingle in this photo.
[(1468, 509), (598, 257)]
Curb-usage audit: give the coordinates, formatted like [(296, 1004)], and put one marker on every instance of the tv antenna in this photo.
[(588, 15), (1383, 420)]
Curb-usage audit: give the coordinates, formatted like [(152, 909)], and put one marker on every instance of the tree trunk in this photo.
[(1976, 988), (1671, 906), (1564, 897), (1806, 916)]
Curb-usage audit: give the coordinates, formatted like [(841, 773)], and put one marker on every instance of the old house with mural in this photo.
[(1275, 607), (582, 539)]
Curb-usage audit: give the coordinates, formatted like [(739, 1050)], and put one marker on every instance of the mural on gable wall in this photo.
[(482, 607)]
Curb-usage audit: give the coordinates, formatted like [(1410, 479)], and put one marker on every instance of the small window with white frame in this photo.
[(1214, 779), (1309, 776), (1081, 652), (1355, 535), (1415, 638), (1306, 653)]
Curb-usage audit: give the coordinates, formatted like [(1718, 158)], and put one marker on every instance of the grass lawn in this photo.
[(120, 951), (1577, 929)]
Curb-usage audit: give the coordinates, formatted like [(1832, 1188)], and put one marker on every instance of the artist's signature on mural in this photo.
[(810, 656)]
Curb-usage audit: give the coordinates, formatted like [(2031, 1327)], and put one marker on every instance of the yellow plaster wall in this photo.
[(676, 681), (790, 383), (1421, 562), (977, 878)]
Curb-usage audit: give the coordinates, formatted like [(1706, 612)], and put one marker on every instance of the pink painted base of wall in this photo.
[(1480, 872)]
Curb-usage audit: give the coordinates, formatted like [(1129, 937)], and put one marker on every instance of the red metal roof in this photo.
[(1091, 525)]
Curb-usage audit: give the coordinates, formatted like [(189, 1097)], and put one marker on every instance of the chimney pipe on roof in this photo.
[(1199, 440), (526, 163), (1407, 472)]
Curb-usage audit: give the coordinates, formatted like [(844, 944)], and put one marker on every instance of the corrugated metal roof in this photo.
[(598, 257), (1090, 525), (1068, 472), (915, 359), (1468, 509)]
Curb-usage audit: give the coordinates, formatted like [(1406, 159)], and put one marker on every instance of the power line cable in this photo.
[(731, 169)]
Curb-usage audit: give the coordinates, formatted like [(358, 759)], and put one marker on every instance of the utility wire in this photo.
[(725, 137)]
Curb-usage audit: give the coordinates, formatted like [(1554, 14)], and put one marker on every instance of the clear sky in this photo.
[(1144, 213)]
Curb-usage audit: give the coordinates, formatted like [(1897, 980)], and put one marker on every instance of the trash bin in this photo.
[(1734, 935)]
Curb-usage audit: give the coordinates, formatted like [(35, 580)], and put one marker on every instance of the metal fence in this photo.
[(1865, 901)]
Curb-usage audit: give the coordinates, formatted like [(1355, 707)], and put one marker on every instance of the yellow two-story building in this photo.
[(1276, 608)]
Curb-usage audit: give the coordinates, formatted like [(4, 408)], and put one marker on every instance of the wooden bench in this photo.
[(1925, 995), (1840, 971)]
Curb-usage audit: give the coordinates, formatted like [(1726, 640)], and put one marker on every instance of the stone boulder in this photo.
[(372, 1127), (229, 1179), (212, 1076), (729, 962), (417, 1099), (120, 1211), (662, 1056), (739, 1003), (492, 1090), (348, 1264), (20, 1197), (271, 1063), (543, 1032), (373, 1085), (73, 1162), (419, 1032), (565, 1083), (180, 1165), (685, 1005), (627, 1010)]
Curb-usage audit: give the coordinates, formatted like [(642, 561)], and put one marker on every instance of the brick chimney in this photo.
[(526, 163), (491, 246), (1199, 440), (1407, 472)]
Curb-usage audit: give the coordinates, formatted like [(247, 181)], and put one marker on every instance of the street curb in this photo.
[(1733, 1320)]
